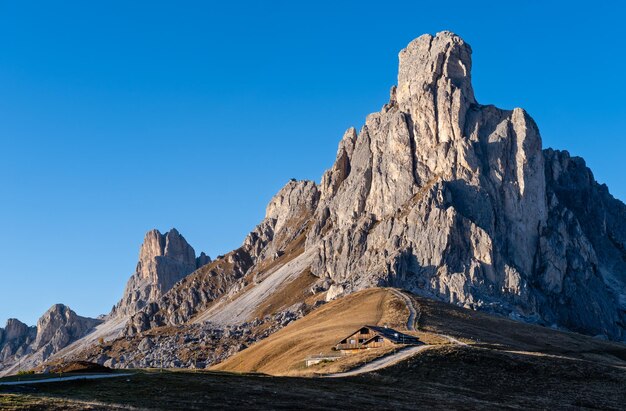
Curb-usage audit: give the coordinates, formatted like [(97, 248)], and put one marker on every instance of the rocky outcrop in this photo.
[(59, 327), (164, 259), (21, 345), (445, 197), (275, 241), (15, 339)]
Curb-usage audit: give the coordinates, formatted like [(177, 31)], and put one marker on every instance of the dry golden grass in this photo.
[(345, 363), (283, 353), (489, 331)]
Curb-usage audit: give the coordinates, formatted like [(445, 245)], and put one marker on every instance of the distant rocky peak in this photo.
[(164, 259), (58, 327), (14, 330), (202, 260), (171, 244)]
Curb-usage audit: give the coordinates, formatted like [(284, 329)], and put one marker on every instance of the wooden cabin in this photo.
[(373, 336)]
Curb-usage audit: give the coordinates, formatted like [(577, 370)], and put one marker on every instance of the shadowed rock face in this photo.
[(55, 330), (14, 339), (446, 197), (59, 327), (442, 196), (164, 259)]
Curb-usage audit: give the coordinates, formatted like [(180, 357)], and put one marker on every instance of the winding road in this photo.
[(400, 355)]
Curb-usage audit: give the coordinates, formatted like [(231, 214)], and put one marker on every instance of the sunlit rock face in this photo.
[(442, 196), (164, 259), (21, 345), (447, 197)]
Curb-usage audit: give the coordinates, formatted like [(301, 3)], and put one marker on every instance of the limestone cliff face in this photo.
[(441, 194), (445, 197), (164, 259), (59, 327), (15, 339), (275, 241), (55, 330)]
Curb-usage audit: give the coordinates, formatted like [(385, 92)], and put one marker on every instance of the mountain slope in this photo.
[(442, 196), (23, 347), (439, 324), (284, 352), (513, 366), (164, 259)]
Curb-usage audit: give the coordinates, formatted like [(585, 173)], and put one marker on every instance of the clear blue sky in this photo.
[(117, 117)]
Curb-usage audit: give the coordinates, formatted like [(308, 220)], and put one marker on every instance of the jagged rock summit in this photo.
[(436, 193), (164, 259), (445, 197), (56, 328)]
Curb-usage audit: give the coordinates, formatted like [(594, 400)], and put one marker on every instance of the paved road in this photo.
[(61, 379), (383, 362)]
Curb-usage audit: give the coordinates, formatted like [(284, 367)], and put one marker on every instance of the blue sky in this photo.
[(117, 117)]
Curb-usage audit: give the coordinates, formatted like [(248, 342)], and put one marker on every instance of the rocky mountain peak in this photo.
[(164, 259), (171, 245), (14, 330), (436, 194), (58, 327), (447, 197), (434, 84)]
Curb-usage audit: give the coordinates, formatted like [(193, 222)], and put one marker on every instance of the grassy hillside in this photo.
[(283, 353), (492, 332), (447, 377), (508, 365)]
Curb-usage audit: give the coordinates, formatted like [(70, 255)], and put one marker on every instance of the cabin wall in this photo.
[(356, 340)]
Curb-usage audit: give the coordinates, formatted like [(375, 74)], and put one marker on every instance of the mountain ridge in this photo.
[(436, 194), (456, 200)]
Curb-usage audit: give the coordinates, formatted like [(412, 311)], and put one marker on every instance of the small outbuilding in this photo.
[(373, 336), (316, 359)]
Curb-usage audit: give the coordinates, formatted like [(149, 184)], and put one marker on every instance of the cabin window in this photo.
[(361, 340), (352, 342), (364, 331), (379, 339)]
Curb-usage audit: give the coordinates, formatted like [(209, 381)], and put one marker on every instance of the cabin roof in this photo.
[(388, 333), (393, 335)]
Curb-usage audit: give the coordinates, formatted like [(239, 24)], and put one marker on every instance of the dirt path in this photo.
[(410, 324), (61, 379), (452, 339)]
